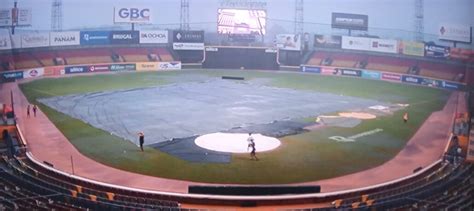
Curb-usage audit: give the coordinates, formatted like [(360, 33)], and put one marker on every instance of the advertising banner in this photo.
[(188, 46), (452, 85), (124, 37), (385, 46), (54, 71), (290, 42), (411, 79), (311, 69), (351, 72), (5, 17), (169, 65), (327, 41), (455, 32), (391, 77), (213, 49), (371, 74), (22, 17), (181, 36), (431, 82), (350, 21), (99, 68), (65, 38), (34, 40), (12, 75), (329, 71), (437, 51), (122, 67), (153, 36), (147, 66), (76, 69), (461, 54), (5, 42), (33, 73), (128, 14), (356, 43), (95, 37), (412, 48)]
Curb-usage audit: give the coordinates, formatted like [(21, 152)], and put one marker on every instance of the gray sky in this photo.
[(387, 18)]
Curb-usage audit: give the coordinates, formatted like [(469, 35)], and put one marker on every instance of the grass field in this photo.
[(303, 157)]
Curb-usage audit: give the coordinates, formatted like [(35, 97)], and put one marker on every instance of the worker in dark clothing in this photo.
[(141, 139)]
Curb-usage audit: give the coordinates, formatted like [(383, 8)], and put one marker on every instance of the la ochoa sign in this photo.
[(153, 36), (132, 15)]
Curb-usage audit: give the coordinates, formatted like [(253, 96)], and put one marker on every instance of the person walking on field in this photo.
[(141, 139), (35, 108), (28, 111), (251, 145), (405, 117)]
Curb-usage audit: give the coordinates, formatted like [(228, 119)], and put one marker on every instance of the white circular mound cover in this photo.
[(236, 142)]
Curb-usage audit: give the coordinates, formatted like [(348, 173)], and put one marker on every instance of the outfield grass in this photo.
[(303, 157)]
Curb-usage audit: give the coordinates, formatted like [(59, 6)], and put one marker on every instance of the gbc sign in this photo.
[(131, 15)]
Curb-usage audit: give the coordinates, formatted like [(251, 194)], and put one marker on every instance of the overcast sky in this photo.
[(385, 16)]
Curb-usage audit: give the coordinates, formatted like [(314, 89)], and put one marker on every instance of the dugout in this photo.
[(189, 56), (238, 57), (290, 58)]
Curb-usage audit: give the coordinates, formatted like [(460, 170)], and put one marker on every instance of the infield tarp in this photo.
[(187, 109)]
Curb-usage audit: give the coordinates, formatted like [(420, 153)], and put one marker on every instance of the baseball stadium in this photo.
[(236, 105)]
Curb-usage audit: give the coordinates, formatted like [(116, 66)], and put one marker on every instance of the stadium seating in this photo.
[(164, 54), (45, 192), (46, 57), (89, 56), (133, 54), (438, 189), (6, 62), (25, 60), (346, 59), (316, 58), (441, 71), (388, 64)]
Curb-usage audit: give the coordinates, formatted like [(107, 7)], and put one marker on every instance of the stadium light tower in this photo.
[(299, 16), (419, 23), (184, 16), (57, 15)]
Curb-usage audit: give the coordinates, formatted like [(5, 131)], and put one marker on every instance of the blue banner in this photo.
[(411, 79), (452, 85), (437, 51), (311, 69), (431, 82), (76, 69), (95, 37), (351, 72), (13, 75), (371, 75), (124, 37), (122, 67)]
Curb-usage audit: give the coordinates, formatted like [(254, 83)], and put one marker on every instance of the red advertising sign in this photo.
[(329, 71), (98, 68), (461, 54), (53, 70), (391, 77)]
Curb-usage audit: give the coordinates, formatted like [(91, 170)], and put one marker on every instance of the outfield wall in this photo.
[(241, 58), (88, 68), (385, 76)]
